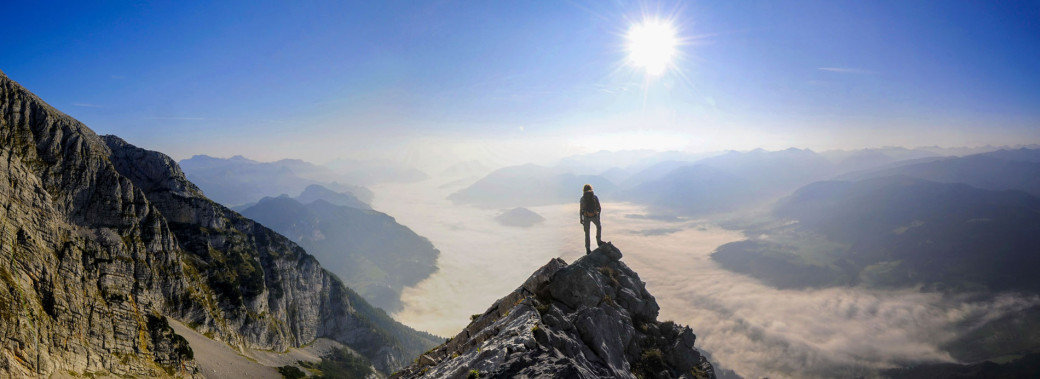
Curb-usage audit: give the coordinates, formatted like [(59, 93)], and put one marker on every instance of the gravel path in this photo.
[(217, 360)]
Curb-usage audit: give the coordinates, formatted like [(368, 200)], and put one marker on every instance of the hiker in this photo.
[(589, 212)]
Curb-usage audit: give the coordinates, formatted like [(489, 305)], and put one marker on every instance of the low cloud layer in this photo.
[(747, 327)]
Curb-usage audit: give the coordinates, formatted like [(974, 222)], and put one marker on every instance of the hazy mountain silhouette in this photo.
[(1030, 154), (368, 250), (529, 185), (653, 172), (619, 166), (865, 159), (896, 231), (1000, 170), (730, 181), (237, 180), (316, 192)]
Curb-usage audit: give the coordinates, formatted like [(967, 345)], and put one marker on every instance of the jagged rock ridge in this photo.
[(590, 319), (99, 239)]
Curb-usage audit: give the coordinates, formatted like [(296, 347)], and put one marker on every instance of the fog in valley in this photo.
[(746, 326), (849, 263)]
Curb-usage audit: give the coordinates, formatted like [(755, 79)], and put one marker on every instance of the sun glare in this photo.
[(652, 46)]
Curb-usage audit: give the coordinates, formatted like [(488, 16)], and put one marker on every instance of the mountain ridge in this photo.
[(592, 318), (238, 180), (102, 237)]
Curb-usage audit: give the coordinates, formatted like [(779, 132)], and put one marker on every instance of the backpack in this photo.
[(589, 205)]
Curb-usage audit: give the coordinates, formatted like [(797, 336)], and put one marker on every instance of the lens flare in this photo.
[(652, 46)]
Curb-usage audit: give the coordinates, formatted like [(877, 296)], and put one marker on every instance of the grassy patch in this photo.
[(291, 372), (340, 363), (651, 362), (542, 308), (612, 274)]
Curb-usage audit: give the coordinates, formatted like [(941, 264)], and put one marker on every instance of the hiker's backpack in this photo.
[(590, 205)]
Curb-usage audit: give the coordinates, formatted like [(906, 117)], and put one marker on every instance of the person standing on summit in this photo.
[(589, 213)]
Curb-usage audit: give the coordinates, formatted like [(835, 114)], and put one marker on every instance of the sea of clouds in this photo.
[(750, 328)]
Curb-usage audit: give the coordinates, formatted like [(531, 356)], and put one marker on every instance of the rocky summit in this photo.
[(590, 319), (101, 241)]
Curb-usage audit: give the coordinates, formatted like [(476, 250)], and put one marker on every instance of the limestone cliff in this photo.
[(590, 319), (99, 239)]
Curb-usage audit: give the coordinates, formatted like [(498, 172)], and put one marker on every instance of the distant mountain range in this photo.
[(674, 183), (529, 185), (959, 223), (729, 181), (368, 250), (237, 180), (972, 228), (896, 232), (1000, 170), (316, 192)]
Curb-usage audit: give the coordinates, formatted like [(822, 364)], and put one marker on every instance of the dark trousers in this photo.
[(585, 223)]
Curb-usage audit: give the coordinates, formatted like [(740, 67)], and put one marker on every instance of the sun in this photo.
[(652, 46)]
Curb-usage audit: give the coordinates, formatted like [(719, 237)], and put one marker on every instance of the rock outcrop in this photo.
[(99, 239), (590, 319)]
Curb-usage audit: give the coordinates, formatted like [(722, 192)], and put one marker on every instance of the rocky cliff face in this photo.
[(99, 239), (590, 319)]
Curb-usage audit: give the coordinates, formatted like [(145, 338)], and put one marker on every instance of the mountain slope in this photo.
[(101, 238), (369, 250), (86, 259), (896, 231), (590, 319)]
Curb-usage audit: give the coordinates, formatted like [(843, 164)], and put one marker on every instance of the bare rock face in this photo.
[(590, 319), (99, 239)]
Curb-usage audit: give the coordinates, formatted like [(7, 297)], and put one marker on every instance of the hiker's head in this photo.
[(588, 188)]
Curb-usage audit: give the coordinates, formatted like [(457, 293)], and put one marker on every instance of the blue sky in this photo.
[(321, 80)]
